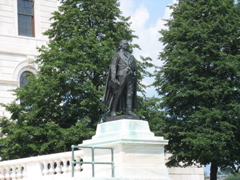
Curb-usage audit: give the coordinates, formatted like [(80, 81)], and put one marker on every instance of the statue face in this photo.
[(124, 44)]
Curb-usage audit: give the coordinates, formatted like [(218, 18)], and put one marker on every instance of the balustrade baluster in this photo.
[(51, 170), (64, 166), (58, 168), (78, 166), (13, 174), (19, 174), (7, 175), (2, 174), (45, 168), (24, 170), (69, 165)]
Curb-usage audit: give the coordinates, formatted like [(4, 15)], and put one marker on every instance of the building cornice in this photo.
[(5, 82)]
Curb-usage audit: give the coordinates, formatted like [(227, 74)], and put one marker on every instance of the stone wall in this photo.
[(187, 173)]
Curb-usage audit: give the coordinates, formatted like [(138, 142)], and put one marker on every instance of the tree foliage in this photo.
[(61, 105), (150, 110), (236, 177), (200, 83)]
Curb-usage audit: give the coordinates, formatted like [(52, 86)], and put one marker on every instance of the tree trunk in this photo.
[(213, 171)]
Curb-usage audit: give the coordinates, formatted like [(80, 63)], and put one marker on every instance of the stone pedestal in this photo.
[(138, 154)]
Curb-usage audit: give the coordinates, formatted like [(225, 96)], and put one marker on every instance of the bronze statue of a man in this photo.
[(120, 92)]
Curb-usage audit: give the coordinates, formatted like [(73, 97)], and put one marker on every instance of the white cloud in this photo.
[(127, 7), (148, 36), (140, 17)]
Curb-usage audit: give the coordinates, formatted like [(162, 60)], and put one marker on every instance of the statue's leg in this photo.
[(130, 98), (116, 98), (114, 105)]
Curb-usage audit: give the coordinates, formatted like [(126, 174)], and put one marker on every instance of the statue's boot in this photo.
[(129, 110), (113, 113)]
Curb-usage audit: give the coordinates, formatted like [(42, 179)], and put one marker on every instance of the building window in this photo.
[(24, 79), (25, 18)]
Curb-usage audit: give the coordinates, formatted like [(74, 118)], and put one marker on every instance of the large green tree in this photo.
[(61, 105), (150, 110), (200, 84)]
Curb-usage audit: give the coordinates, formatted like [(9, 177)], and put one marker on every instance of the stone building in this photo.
[(22, 23)]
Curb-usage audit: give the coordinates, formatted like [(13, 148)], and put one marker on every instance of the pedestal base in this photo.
[(138, 154)]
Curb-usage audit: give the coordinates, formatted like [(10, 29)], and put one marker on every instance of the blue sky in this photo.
[(156, 9), (147, 19)]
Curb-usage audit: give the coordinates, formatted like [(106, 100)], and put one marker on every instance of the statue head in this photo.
[(124, 45)]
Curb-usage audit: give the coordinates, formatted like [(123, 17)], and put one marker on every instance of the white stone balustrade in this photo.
[(46, 167)]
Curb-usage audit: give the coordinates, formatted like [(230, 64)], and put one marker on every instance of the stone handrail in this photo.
[(41, 167)]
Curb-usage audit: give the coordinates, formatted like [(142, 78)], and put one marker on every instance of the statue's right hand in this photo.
[(114, 83)]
